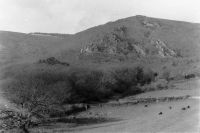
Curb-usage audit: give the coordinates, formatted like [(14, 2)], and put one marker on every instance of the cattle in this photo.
[(188, 106), (160, 113), (145, 105), (183, 108), (170, 107)]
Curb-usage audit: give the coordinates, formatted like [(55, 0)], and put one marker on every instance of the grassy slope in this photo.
[(178, 35), (20, 48), (137, 118)]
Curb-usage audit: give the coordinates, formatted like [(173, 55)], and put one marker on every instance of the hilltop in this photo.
[(127, 38)]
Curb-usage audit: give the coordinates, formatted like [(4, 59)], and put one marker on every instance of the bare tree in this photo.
[(34, 99)]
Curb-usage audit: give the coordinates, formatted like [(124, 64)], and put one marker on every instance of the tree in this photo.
[(33, 98), (125, 79), (84, 83)]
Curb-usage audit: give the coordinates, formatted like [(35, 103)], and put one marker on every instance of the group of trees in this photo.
[(39, 93)]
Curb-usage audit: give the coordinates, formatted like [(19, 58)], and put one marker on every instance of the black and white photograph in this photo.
[(99, 66)]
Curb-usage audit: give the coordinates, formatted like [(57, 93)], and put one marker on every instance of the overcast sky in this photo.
[(71, 16)]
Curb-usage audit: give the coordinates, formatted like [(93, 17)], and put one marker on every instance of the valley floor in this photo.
[(126, 118)]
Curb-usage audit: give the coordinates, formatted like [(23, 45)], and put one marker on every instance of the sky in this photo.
[(72, 16)]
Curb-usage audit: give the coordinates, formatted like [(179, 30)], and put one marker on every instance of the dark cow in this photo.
[(183, 108)]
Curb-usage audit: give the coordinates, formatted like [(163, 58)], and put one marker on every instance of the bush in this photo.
[(34, 96), (42, 93), (105, 85), (85, 85), (128, 79)]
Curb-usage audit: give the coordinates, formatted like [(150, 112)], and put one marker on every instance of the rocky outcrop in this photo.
[(163, 50), (115, 42), (150, 25), (139, 50), (118, 43)]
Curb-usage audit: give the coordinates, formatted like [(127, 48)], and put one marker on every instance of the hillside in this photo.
[(143, 30), (127, 38), (53, 77)]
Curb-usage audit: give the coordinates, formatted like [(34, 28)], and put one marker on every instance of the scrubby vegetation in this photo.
[(42, 87), (41, 93), (52, 61)]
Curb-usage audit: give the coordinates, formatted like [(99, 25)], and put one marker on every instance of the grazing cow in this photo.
[(188, 106), (170, 107), (145, 105), (160, 113), (183, 108)]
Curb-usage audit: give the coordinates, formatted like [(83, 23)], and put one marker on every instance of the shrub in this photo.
[(128, 79), (85, 85), (42, 93), (125, 78), (35, 97)]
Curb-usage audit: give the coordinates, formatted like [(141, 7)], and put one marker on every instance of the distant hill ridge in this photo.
[(50, 34), (133, 37)]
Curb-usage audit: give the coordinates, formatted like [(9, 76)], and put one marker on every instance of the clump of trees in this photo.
[(52, 61), (85, 86), (129, 80), (38, 94), (35, 96)]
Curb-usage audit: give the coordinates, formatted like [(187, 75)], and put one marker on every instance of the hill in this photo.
[(46, 71), (163, 45), (131, 37)]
